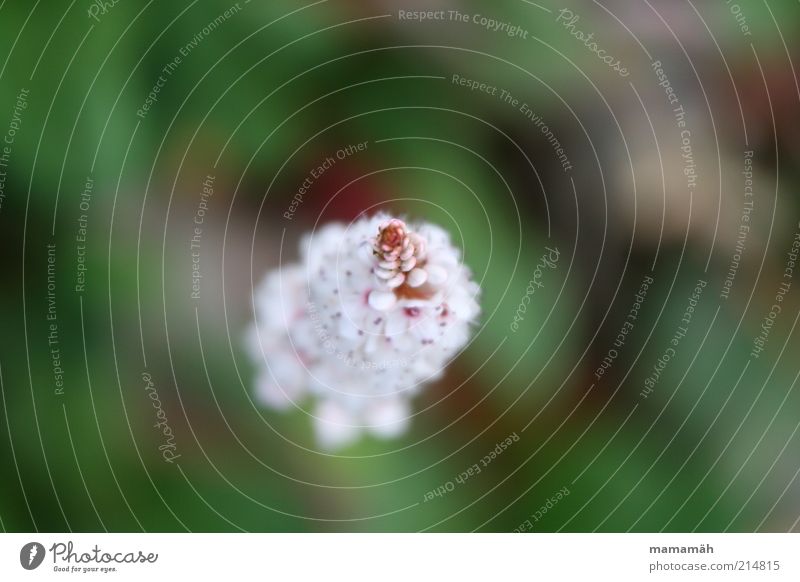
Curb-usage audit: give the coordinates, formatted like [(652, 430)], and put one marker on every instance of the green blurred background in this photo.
[(263, 92)]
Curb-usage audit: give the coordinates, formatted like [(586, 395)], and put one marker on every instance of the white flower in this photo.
[(373, 311)]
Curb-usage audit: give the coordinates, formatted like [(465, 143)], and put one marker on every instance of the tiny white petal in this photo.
[(387, 418), (281, 386), (462, 305), (382, 300), (417, 277), (408, 264), (436, 274), (334, 426), (407, 253), (396, 281)]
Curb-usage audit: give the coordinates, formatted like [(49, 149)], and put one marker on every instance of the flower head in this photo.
[(374, 311)]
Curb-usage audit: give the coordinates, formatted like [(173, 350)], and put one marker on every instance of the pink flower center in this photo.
[(411, 311), (391, 237)]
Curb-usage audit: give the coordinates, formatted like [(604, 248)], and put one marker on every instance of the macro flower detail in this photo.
[(372, 312)]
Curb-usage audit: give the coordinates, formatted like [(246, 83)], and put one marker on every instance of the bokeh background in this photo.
[(262, 93)]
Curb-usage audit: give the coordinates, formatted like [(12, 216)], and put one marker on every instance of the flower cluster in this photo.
[(372, 312)]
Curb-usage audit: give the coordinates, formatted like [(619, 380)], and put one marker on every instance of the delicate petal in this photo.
[(281, 386), (388, 417), (396, 281), (436, 274), (382, 300), (417, 277), (334, 426), (408, 264)]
